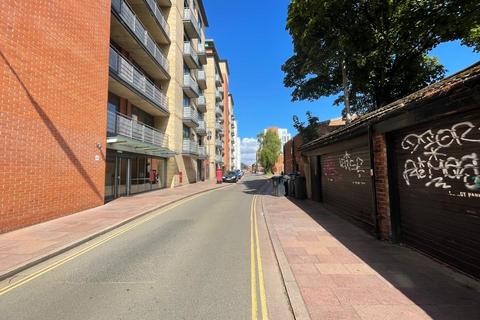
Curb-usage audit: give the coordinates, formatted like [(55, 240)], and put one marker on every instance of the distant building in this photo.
[(282, 134)]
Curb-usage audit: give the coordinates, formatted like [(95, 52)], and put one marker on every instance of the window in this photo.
[(113, 102), (186, 132), (186, 101)]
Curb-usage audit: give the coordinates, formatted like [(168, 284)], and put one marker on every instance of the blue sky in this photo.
[(256, 44)]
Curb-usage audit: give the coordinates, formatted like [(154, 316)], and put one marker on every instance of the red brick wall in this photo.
[(293, 156), (381, 182), (53, 93), (288, 156)]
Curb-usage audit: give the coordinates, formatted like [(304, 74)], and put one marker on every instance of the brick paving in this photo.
[(26, 246), (344, 273)]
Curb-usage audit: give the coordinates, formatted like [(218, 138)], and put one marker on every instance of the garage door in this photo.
[(438, 189), (346, 184)]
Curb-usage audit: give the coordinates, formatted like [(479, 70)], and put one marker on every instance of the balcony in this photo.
[(152, 17), (190, 24), (190, 56), (221, 90), (190, 86), (126, 134), (202, 79), (202, 55), (202, 104), (218, 95), (202, 152), (221, 105), (218, 80), (128, 32), (233, 125), (219, 143), (190, 117), (201, 129), (218, 159), (128, 82), (190, 147), (218, 111)]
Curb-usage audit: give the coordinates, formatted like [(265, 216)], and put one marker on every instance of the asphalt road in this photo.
[(190, 262)]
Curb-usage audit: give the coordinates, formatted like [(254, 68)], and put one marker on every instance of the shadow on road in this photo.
[(254, 184)]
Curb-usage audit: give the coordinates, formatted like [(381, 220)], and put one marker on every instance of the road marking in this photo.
[(263, 297), (253, 274), (94, 245), (256, 255)]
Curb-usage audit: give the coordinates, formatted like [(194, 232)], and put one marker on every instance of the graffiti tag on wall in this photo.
[(432, 159), (351, 164)]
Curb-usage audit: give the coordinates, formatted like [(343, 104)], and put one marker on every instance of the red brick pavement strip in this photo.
[(321, 269), (24, 248)]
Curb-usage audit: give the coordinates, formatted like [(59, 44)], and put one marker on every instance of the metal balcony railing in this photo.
[(218, 80), (201, 101), (189, 16), (220, 104), (218, 159), (201, 75), (202, 128), (190, 147), (122, 125), (158, 14), (123, 10), (189, 82), (202, 151), (201, 48), (218, 111), (121, 67), (190, 114), (218, 95), (188, 50)]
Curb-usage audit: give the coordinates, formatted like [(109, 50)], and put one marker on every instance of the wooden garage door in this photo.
[(346, 184), (438, 189)]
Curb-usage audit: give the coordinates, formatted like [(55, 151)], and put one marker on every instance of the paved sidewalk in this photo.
[(25, 247), (344, 273)]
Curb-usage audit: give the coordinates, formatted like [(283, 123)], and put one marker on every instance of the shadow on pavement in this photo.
[(424, 281)]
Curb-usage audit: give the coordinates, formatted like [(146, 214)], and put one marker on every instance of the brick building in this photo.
[(410, 171), (101, 100)]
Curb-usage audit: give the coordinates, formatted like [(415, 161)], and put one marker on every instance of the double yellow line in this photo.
[(114, 235), (255, 256)]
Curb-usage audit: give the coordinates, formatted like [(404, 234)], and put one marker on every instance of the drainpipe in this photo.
[(372, 177)]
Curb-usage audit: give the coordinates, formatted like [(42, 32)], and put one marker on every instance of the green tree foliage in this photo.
[(308, 132), (269, 149), (383, 44)]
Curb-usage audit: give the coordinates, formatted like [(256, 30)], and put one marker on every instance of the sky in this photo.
[(254, 41)]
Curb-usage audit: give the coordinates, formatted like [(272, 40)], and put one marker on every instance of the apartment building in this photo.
[(214, 95), (235, 142), (118, 110), (282, 134), (155, 124)]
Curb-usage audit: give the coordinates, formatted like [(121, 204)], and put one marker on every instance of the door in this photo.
[(346, 184), (123, 175), (437, 175)]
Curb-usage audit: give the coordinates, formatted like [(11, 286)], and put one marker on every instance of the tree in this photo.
[(269, 149), (309, 132), (382, 44)]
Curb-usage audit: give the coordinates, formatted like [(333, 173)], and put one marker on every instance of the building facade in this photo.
[(121, 110)]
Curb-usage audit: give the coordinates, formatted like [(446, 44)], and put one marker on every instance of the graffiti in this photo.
[(352, 165), (434, 162)]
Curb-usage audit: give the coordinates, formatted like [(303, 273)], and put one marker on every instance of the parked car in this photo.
[(239, 174), (231, 177)]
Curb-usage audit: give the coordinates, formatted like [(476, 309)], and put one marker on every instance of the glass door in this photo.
[(122, 177)]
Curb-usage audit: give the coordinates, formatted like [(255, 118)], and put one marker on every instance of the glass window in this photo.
[(186, 132), (186, 101)]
